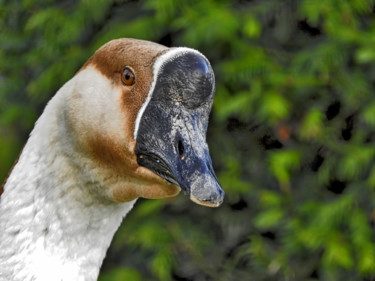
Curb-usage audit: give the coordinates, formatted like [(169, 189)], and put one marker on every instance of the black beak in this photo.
[(170, 139)]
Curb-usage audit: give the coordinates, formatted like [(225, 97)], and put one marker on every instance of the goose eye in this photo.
[(127, 77)]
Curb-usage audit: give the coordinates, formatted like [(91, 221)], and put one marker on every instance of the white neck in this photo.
[(53, 226)]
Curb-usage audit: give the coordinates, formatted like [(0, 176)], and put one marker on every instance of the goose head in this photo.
[(137, 114)]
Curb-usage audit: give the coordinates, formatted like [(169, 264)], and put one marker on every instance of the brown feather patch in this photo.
[(140, 55), (119, 157)]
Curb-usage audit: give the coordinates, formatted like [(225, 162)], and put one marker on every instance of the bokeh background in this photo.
[(291, 133)]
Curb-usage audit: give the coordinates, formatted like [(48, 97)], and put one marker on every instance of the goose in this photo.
[(130, 123)]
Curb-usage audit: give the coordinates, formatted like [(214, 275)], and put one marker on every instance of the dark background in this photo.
[(291, 133)]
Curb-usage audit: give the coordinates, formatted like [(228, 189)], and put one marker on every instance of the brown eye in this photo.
[(127, 77)]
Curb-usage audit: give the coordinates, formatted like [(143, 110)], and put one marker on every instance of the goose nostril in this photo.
[(181, 149)]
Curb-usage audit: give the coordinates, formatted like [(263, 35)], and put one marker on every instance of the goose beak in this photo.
[(186, 164), (170, 140), (197, 178)]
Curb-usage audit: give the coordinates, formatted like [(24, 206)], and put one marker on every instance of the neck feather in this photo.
[(53, 225)]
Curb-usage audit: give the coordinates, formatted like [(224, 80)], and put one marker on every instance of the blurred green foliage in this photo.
[(291, 135)]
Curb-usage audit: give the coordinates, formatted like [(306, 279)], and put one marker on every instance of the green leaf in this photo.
[(282, 163), (274, 107), (148, 207), (338, 253), (368, 114), (362, 237), (270, 199), (120, 274), (356, 158), (312, 125), (252, 28), (365, 55), (269, 218), (162, 264)]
